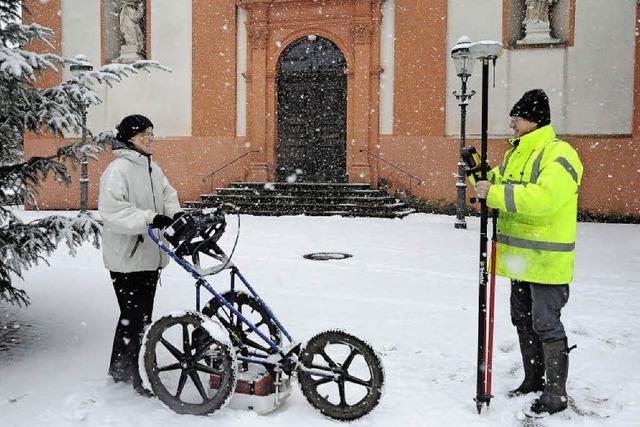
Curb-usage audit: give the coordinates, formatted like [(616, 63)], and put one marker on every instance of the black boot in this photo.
[(119, 368), (533, 363), (556, 361)]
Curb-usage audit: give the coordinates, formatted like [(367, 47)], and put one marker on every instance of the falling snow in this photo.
[(410, 289)]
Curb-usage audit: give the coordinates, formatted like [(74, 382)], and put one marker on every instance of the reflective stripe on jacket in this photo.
[(133, 190), (536, 191)]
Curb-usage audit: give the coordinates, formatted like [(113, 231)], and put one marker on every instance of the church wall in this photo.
[(420, 65), (183, 160), (589, 84), (48, 15), (592, 107), (601, 68), (214, 68)]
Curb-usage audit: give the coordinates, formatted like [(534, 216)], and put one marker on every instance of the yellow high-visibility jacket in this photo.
[(536, 191)]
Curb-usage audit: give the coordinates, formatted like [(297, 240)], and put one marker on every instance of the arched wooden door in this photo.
[(312, 112)]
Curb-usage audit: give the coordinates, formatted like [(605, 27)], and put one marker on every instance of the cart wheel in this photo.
[(355, 378), (180, 368), (250, 308)]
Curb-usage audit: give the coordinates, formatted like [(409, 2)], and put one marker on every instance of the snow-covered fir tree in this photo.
[(26, 106)]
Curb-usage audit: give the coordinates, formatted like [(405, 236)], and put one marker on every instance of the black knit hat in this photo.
[(533, 106), (132, 125)]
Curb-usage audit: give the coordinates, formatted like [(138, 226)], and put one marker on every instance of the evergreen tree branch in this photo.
[(23, 246)]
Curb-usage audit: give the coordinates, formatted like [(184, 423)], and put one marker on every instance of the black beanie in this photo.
[(533, 106), (132, 125)]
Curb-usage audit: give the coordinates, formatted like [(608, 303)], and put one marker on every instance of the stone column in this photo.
[(271, 125), (357, 161), (374, 95), (258, 35)]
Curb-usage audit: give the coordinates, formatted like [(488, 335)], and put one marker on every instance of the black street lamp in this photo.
[(78, 68), (464, 61)]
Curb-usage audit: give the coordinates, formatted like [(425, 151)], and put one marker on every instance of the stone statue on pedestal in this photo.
[(536, 22), (130, 19), (537, 10)]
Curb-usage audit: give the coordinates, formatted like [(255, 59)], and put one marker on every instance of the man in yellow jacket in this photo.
[(535, 189)]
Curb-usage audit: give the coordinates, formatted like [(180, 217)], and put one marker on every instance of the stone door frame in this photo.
[(354, 26)]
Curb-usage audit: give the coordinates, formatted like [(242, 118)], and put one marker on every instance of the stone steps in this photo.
[(288, 199), (317, 199)]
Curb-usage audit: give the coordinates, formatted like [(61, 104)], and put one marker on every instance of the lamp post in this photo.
[(464, 61), (78, 68)]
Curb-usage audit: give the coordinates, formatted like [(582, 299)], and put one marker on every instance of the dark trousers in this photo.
[(535, 308), (135, 292)]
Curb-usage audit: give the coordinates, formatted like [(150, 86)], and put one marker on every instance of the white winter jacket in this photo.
[(133, 190)]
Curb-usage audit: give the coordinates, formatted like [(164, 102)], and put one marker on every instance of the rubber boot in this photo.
[(556, 361), (533, 363), (119, 368)]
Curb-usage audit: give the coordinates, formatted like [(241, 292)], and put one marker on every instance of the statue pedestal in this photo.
[(128, 54), (537, 33)]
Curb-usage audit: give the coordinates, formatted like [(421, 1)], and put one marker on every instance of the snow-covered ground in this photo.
[(410, 289)]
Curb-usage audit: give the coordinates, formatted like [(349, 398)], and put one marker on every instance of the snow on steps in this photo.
[(315, 199)]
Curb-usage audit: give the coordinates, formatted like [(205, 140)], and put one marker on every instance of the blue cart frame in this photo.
[(287, 359)]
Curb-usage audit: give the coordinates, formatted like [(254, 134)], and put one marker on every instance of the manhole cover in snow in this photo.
[(324, 256)]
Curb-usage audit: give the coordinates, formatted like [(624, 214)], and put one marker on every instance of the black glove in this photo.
[(161, 221), (177, 215)]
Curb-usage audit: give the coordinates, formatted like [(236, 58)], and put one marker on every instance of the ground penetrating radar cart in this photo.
[(198, 360)]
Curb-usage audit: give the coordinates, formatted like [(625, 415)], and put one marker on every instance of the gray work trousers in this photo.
[(535, 308)]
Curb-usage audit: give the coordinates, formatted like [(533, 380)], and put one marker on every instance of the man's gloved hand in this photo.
[(482, 189), (177, 215), (161, 221), (472, 160)]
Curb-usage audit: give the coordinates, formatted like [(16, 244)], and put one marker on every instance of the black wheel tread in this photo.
[(153, 338), (342, 411)]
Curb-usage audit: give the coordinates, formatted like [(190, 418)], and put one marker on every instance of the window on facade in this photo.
[(124, 30), (538, 22)]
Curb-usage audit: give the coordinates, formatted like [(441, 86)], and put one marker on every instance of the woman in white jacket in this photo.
[(133, 194)]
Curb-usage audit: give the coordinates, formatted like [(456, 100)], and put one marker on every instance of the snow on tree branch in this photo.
[(23, 246)]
